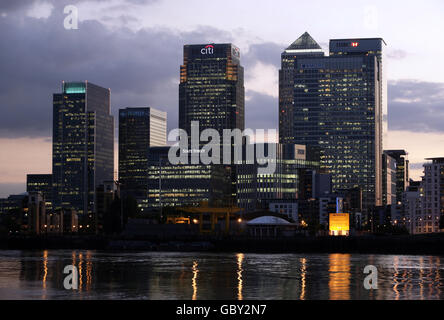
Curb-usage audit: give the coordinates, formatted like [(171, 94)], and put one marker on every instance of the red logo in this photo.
[(355, 44)]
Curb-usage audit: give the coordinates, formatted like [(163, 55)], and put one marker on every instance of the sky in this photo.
[(135, 47)]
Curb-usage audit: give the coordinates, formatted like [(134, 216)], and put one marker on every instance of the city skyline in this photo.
[(419, 134)]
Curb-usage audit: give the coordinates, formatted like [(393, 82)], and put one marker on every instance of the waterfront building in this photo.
[(433, 207), (255, 190), (41, 183), (83, 147), (389, 180), (211, 88), (412, 203), (182, 185), (337, 103), (139, 129)]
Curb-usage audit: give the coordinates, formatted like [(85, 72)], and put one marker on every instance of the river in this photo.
[(201, 276)]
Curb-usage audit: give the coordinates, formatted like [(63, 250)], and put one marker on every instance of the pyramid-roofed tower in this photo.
[(305, 42)]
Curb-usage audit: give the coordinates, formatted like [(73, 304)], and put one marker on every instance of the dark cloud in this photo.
[(416, 106), (261, 111), (14, 5), (141, 68), (268, 52)]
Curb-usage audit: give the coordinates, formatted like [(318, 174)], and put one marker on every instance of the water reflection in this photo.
[(303, 277), (240, 259), (156, 275), (194, 281), (339, 282)]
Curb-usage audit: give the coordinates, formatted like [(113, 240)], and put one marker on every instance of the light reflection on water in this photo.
[(199, 276)]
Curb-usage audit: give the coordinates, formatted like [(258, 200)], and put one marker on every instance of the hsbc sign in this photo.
[(209, 49)]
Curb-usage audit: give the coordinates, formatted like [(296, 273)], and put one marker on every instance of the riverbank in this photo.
[(432, 244)]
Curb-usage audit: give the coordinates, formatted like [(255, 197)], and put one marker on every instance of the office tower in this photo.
[(211, 88), (304, 46), (388, 180), (182, 185), (139, 129), (287, 183), (83, 147), (433, 184), (337, 105), (41, 183), (402, 171)]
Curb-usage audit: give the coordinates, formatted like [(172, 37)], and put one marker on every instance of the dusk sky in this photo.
[(134, 47)]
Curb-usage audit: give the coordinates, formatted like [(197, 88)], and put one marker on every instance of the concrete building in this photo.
[(433, 185), (413, 201)]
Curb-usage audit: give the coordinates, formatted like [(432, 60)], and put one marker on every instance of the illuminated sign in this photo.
[(355, 44), (339, 224), (209, 49)]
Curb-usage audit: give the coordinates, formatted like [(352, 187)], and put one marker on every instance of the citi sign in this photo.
[(209, 49)]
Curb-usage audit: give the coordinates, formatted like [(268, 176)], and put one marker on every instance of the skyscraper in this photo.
[(83, 146), (211, 88), (139, 129), (336, 103)]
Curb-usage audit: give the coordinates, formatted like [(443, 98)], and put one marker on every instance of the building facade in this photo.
[(433, 207), (184, 185), (336, 103), (389, 180), (83, 147), (139, 129), (41, 183), (211, 89)]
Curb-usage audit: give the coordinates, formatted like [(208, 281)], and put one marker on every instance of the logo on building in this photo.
[(355, 44), (209, 49), (236, 52)]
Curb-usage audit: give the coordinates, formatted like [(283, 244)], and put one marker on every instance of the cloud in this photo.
[(262, 78), (396, 54), (416, 106), (261, 111), (141, 68), (267, 53), (14, 5)]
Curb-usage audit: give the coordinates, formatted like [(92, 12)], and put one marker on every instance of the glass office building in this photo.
[(211, 88), (40, 183), (139, 129), (181, 185), (336, 103), (83, 146)]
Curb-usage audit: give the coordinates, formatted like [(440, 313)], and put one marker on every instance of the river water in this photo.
[(191, 276)]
